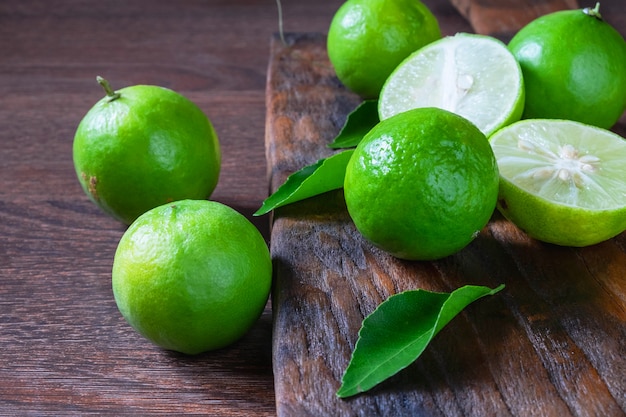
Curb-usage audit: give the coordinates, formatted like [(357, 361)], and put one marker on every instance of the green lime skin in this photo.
[(367, 39), (144, 147), (422, 184), (574, 67), (559, 224), (192, 276)]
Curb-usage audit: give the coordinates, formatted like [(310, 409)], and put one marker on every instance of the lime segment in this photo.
[(474, 76)]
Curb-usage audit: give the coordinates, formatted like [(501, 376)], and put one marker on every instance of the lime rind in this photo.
[(472, 75), (558, 224)]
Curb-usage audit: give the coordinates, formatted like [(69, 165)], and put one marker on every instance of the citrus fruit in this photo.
[(368, 38), (422, 184), (192, 275), (562, 182), (574, 66), (474, 76), (143, 146)]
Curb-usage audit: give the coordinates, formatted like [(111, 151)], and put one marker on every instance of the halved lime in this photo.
[(561, 181), (474, 76)]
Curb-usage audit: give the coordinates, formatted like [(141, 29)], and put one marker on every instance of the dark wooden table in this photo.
[(64, 348)]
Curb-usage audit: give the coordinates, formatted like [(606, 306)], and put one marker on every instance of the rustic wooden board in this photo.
[(552, 343), (502, 18)]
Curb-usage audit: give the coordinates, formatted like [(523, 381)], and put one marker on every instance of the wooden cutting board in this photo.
[(552, 343), (502, 18)]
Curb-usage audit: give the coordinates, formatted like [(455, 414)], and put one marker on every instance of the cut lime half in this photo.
[(562, 182), (474, 76)]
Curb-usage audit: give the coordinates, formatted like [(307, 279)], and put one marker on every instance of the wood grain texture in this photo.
[(553, 343), (502, 18)]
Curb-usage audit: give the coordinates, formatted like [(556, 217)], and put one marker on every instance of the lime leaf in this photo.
[(325, 175), (360, 121), (398, 331)]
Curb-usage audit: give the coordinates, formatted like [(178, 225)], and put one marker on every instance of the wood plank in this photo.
[(553, 343), (502, 18)]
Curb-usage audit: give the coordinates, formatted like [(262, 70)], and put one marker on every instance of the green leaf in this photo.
[(325, 175), (399, 330), (360, 121)]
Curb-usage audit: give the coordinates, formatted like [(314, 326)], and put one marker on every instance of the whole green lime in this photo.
[(367, 39), (192, 276), (422, 184), (574, 67), (144, 146)]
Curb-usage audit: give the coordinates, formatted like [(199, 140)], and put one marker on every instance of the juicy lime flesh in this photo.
[(563, 182), (146, 148), (367, 39), (422, 184), (474, 76), (574, 67), (192, 276)]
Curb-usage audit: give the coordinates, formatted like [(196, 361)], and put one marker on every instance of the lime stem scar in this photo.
[(112, 95)]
